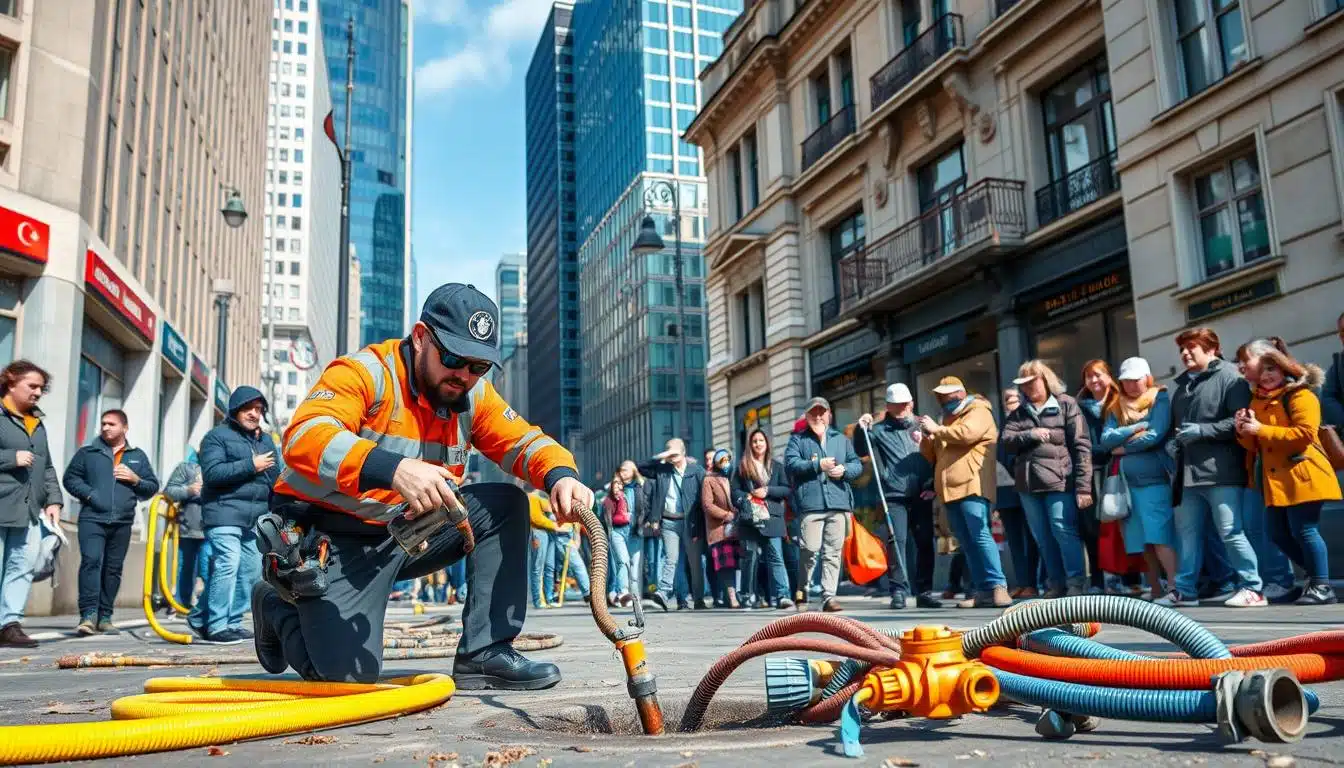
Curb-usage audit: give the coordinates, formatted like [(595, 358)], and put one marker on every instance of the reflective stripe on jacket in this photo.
[(364, 415)]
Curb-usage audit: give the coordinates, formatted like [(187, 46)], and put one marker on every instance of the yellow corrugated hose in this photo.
[(190, 712), (157, 507), (169, 549)]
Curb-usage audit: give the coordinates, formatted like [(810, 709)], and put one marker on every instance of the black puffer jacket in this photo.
[(1060, 464), (234, 492)]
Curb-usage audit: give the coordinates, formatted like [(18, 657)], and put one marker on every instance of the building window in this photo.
[(845, 237), (296, 200), (1080, 142), (735, 168), (294, 268), (940, 181), (1230, 208), (303, 49), (296, 222), (821, 89), (1210, 42), (752, 170), (751, 318), (295, 246), (9, 7), (292, 378), (6, 70)]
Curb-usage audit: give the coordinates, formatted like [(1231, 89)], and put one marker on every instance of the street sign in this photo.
[(174, 348), (200, 374), (24, 236), (118, 296)]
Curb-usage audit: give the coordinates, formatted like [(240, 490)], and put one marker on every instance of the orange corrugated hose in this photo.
[(1161, 674), (1327, 642)]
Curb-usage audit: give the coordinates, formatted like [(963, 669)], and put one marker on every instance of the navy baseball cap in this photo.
[(464, 320)]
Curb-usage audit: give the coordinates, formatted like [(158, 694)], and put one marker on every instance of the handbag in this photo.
[(1114, 496), (865, 555)]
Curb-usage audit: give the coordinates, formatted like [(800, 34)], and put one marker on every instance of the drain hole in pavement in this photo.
[(619, 718)]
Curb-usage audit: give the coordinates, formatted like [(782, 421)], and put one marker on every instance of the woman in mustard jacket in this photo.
[(1279, 432)]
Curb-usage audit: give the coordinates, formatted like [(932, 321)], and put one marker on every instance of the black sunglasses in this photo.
[(455, 362)]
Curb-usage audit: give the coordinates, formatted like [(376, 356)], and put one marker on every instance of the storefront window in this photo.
[(100, 381), (1111, 335), (7, 327), (978, 373)]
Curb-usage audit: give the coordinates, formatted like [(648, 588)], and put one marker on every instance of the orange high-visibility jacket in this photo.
[(364, 416)]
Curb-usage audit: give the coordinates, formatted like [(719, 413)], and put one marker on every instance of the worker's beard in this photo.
[(434, 394)]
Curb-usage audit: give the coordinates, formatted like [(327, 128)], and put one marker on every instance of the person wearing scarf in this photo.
[(1280, 430), (1138, 423), (721, 526)]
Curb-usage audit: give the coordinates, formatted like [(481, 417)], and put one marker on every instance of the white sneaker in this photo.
[(1275, 592), (1174, 600), (1246, 598)]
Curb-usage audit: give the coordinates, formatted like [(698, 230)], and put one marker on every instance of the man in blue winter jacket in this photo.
[(239, 464), (109, 478)]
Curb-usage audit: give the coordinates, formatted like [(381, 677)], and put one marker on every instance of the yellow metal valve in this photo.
[(933, 679)]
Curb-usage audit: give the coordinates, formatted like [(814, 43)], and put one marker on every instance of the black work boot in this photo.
[(500, 667), (270, 652)]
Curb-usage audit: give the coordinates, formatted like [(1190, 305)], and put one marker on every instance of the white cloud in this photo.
[(469, 65), (443, 12), (484, 54)]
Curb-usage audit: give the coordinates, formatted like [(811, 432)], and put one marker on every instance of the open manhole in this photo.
[(728, 723)]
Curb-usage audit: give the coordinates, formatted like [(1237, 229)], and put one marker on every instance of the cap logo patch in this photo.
[(481, 325)]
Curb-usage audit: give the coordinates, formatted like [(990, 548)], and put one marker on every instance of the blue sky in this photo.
[(469, 192)]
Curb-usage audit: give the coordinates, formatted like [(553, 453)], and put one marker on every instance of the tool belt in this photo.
[(293, 557)]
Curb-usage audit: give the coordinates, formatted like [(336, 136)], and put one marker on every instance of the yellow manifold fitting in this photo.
[(933, 678)]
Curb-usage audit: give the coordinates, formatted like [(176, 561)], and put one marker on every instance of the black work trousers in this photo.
[(102, 553), (339, 637), (912, 518)]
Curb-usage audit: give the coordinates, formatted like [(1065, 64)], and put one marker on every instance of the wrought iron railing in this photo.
[(830, 133), (945, 34), (1082, 187), (1003, 6), (991, 211)]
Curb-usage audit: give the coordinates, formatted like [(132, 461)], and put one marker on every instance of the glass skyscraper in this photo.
[(380, 156), (554, 391), (636, 67)]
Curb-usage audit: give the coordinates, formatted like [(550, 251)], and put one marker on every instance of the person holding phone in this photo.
[(239, 464)]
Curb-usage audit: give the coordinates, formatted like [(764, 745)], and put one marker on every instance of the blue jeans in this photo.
[(1274, 565), (1026, 556), (577, 568), (543, 566), (16, 573), (457, 578), (1297, 530), (1053, 519), (969, 518), (234, 567), (621, 578), (653, 562), (1222, 503), (193, 559), (754, 548)]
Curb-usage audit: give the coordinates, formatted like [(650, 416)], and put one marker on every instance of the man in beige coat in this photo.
[(962, 450)]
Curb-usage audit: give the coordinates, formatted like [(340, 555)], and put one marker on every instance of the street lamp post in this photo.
[(343, 258), (234, 213), (649, 241)]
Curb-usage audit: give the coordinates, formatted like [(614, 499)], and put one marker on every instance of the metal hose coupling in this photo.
[(1268, 704), (640, 681)]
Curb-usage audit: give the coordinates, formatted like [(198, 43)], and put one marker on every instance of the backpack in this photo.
[(47, 557)]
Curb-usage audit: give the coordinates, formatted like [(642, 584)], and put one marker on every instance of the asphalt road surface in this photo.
[(545, 725)]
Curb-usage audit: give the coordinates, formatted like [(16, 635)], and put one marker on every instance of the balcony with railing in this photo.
[(1078, 189), (832, 132), (991, 213), (947, 33)]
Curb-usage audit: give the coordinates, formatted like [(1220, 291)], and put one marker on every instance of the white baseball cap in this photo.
[(899, 394), (1134, 369)]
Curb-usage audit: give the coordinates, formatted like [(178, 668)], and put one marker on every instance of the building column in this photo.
[(176, 418), (1013, 346), (898, 372)]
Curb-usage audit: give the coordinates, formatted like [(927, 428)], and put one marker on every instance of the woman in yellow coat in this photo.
[(1279, 431)]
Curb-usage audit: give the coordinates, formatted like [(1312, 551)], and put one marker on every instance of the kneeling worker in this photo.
[(392, 422)]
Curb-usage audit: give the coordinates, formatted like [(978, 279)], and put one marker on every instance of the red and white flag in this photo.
[(329, 125)]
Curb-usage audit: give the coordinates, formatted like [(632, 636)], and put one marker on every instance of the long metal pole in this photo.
[(681, 317), (343, 271), (222, 336), (268, 372)]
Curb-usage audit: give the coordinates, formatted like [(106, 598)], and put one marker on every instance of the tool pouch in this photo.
[(294, 560)]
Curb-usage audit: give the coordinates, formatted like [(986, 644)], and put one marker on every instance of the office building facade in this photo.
[(636, 67), (555, 395), (511, 293), (303, 186), (121, 128), (381, 152), (951, 188)]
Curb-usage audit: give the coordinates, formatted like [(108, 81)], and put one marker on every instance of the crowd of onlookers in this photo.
[(1206, 490), (219, 493), (1209, 489)]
